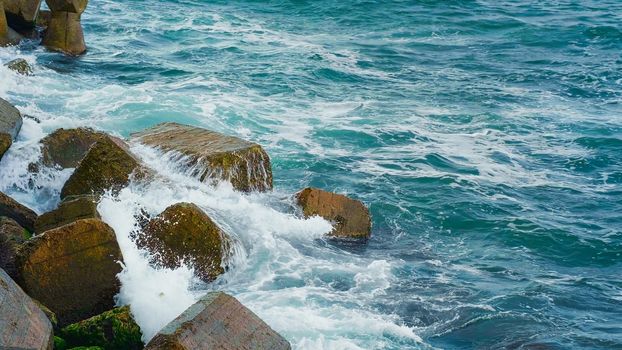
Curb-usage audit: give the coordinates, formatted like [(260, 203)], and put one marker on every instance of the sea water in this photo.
[(485, 137)]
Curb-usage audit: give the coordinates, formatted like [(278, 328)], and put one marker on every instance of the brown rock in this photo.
[(43, 20), (66, 147), (64, 27), (10, 124), (183, 233), (25, 217), (108, 165), (214, 156), (12, 235), (70, 209), (22, 324), (7, 35), (350, 217), (72, 269), (218, 321), (20, 66), (21, 14)]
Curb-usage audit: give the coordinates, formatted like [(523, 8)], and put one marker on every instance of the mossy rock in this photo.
[(72, 269), (65, 148), (111, 330), (212, 155), (11, 237), (108, 165), (23, 215), (20, 66), (71, 209), (350, 217), (183, 233)]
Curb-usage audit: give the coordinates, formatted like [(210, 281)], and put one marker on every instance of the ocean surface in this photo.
[(485, 136)]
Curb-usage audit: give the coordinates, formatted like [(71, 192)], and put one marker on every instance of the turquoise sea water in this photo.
[(485, 136)]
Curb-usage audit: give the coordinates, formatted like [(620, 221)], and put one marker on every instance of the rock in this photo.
[(25, 217), (350, 217), (12, 235), (64, 30), (71, 209), (183, 233), (72, 269), (66, 147), (43, 20), (107, 165), (111, 330), (8, 36), (20, 66), (48, 313), (218, 321), (22, 324), (214, 156), (21, 14), (10, 124)]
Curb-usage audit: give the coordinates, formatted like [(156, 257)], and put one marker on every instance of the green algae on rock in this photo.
[(111, 330), (212, 155), (65, 148), (108, 165), (71, 209), (22, 324), (183, 233), (72, 269), (20, 66), (218, 321), (350, 217)]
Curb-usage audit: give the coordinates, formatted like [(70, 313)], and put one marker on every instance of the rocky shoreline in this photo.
[(58, 270)]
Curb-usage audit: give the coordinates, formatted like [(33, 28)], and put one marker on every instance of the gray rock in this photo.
[(218, 321), (22, 324), (10, 125)]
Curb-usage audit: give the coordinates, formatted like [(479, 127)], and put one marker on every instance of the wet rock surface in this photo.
[(20, 66), (69, 210), (212, 155), (65, 148), (64, 28), (183, 233), (218, 321), (23, 215), (350, 217), (10, 125), (72, 269), (12, 235), (22, 324)]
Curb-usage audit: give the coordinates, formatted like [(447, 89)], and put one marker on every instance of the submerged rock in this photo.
[(212, 155), (65, 148), (108, 165), (218, 321), (111, 330), (183, 233), (72, 269), (350, 217), (12, 235), (22, 324), (69, 210), (64, 28), (11, 208), (10, 124), (22, 14), (20, 66)]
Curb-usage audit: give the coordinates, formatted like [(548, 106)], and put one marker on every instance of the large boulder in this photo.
[(212, 155), (72, 269), (218, 321), (65, 148), (22, 324), (183, 233), (12, 235), (21, 14), (10, 124), (8, 36), (11, 208), (111, 330), (108, 165), (69, 210), (64, 28), (350, 217)]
